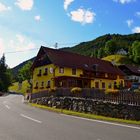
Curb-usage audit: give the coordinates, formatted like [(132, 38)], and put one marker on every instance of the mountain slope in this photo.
[(16, 68), (87, 48)]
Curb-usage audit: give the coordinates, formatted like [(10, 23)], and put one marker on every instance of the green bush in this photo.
[(76, 90)]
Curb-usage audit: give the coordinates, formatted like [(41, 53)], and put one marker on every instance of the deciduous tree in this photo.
[(25, 73)]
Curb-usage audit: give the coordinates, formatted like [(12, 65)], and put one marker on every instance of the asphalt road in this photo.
[(19, 121)]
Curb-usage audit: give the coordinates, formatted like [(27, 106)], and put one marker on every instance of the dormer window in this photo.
[(95, 67), (61, 69)]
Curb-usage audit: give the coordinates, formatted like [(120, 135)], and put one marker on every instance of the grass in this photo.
[(15, 87), (84, 115), (119, 59)]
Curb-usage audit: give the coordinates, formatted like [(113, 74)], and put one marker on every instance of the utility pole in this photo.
[(56, 45)]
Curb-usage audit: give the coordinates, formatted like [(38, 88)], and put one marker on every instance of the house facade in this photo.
[(56, 68), (121, 52), (132, 74)]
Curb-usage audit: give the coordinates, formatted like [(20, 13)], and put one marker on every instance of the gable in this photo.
[(41, 59)]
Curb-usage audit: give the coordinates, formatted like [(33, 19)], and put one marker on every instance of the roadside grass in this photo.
[(86, 115), (15, 87)]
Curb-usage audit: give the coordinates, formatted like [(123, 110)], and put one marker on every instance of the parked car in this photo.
[(134, 86)]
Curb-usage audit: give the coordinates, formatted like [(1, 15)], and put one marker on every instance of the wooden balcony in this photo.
[(92, 75)]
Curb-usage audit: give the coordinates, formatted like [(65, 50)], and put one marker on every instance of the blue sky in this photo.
[(25, 25)]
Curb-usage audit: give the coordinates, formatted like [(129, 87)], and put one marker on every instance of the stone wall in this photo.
[(123, 111)]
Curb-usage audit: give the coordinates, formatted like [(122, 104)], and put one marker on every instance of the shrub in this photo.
[(111, 91), (76, 90), (137, 91), (52, 89)]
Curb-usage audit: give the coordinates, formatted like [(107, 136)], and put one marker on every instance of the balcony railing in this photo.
[(98, 75)]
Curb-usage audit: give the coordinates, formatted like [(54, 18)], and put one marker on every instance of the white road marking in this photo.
[(8, 107), (110, 123), (27, 117)]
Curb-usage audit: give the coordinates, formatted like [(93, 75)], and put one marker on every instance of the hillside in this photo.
[(16, 68), (118, 59), (15, 87), (87, 48)]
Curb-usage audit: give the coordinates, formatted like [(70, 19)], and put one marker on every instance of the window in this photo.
[(42, 84), (61, 69), (36, 86), (73, 71), (96, 84), (115, 85), (48, 84), (60, 84), (46, 71), (109, 85), (103, 85), (39, 74)]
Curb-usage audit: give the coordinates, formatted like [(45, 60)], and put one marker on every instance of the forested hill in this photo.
[(16, 68), (119, 41), (95, 48)]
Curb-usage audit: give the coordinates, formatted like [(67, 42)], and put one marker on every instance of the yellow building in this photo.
[(57, 68)]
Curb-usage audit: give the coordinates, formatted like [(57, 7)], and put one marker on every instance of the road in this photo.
[(19, 121)]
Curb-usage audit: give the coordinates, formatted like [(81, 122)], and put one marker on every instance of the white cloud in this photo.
[(83, 16), (67, 3), (20, 38), (136, 29), (25, 4), (37, 18), (4, 8), (129, 22), (138, 13), (1, 47), (124, 1), (21, 43)]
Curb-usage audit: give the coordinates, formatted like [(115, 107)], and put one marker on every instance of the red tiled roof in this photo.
[(68, 59)]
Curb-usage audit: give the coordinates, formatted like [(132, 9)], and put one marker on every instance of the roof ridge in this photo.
[(68, 52)]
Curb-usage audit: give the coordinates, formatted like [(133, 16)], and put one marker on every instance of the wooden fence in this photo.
[(121, 97)]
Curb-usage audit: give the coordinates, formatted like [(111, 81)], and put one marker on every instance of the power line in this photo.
[(58, 44), (21, 51)]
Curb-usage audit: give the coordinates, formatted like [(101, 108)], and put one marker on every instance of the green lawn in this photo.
[(84, 115), (119, 59), (15, 87)]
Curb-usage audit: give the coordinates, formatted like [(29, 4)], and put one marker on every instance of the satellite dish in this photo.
[(51, 70)]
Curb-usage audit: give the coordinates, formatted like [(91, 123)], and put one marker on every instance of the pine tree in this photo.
[(5, 76)]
